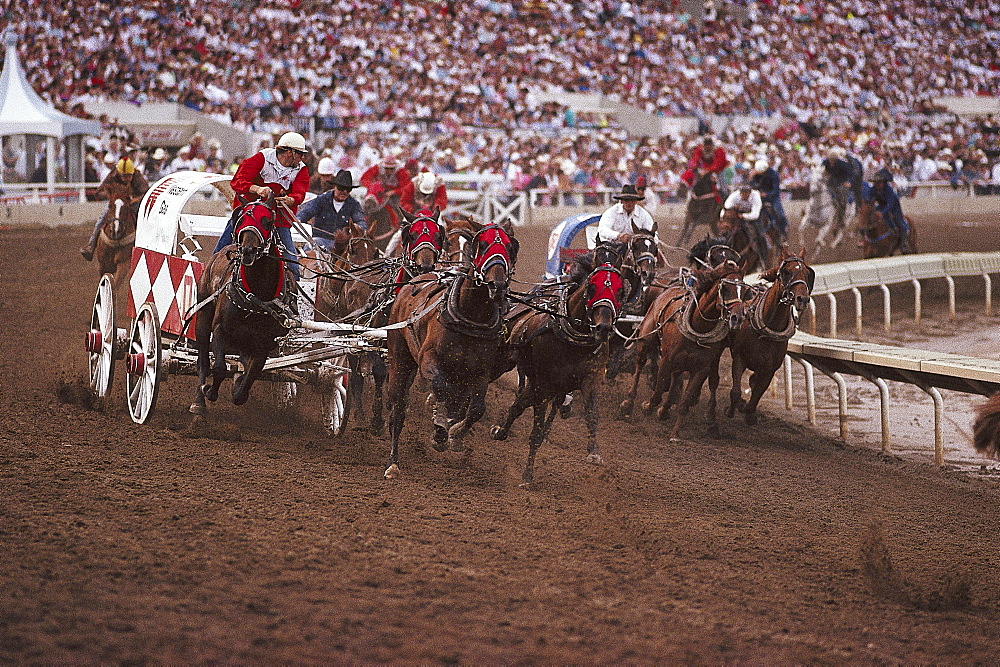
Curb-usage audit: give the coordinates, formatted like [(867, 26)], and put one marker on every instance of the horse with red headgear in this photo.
[(559, 342), (247, 305), (452, 338)]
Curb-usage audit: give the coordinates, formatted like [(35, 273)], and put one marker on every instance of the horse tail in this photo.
[(986, 428)]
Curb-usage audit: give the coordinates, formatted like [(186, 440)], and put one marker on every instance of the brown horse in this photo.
[(336, 269), (113, 251), (246, 305), (687, 327), (877, 237), (772, 314), (383, 219), (702, 207), (746, 238), (562, 348), (986, 428), (368, 298), (453, 338)]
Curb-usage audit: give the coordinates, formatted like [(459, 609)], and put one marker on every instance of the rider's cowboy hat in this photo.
[(628, 193), (159, 154), (426, 182), (344, 180)]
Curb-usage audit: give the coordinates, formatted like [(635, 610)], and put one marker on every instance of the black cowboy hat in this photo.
[(628, 193), (344, 179)]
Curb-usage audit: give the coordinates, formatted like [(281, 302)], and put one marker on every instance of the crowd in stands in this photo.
[(460, 86)]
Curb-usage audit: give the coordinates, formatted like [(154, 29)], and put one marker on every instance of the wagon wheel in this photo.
[(142, 363), (100, 340), (335, 408)]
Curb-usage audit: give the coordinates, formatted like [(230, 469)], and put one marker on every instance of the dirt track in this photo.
[(254, 538)]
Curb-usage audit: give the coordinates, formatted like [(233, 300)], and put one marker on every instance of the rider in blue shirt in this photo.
[(887, 203), (333, 210), (766, 181)]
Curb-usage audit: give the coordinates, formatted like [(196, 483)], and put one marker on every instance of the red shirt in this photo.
[(713, 163), (382, 187), (263, 168), (408, 196)]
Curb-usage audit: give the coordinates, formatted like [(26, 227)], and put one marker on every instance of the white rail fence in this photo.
[(930, 371)]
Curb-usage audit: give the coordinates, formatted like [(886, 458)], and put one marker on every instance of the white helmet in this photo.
[(426, 182), (292, 140), (326, 167), (760, 166)]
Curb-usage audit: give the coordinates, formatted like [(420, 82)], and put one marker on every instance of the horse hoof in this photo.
[(392, 472), (648, 407), (458, 446), (751, 418), (498, 433), (625, 409), (197, 409), (596, 459), (663, 413), (674, 440), (714, 432)]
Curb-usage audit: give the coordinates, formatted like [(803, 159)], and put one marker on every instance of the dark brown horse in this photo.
[(986, 428), (453, 338), (747, 239), (702, 208), (877, 237), (113, 251), (687, 327), (772, 314), (563, 348), (246, 306)]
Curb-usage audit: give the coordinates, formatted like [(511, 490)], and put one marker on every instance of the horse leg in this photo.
[(625, 409), (474, 410), (674, 390), (736, 401), (713, 388), (438, 401), (202, 334), (401, 374), (525, 396), (218, 367), (694, 385), (590, 394), (379, 373), (534, 441), (759, 382), (253, 364), (662, 384)]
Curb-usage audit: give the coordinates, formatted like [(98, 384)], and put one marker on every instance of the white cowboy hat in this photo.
[(426, 182)]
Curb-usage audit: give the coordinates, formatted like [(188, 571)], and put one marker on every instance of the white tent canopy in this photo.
[(22, 111)]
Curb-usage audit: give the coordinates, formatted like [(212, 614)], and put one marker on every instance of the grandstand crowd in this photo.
[(460, 86)]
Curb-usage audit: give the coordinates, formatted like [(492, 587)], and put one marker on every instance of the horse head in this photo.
[(493, 254), (423, 239), (604, 293), (643, 253), (459, 231), (254, 227), (728, 293), (797, 279)]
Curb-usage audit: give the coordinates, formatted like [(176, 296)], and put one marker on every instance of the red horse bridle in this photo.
[(607, 282)]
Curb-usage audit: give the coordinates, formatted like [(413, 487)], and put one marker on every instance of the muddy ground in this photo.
[(252, 537)]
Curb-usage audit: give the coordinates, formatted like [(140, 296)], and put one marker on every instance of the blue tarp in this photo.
[(562, 236)]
